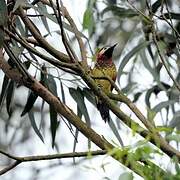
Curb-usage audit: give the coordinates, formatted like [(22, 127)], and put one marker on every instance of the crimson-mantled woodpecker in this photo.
[(104, 67)]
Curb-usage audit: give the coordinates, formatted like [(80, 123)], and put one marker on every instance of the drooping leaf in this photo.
[(62, 93), (88, 20), (116, 133), (10, 97), (156, 5), (136, 96), (130, 54), (54, 123), (4, 90), (34, 126), (30, 102), (77, 95), (175, 121), (51, 84)]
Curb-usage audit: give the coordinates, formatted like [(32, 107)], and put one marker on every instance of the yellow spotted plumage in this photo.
[(104, 67)]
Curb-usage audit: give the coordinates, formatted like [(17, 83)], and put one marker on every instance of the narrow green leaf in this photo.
[(10, 97), (156, 5), (136, 96), (30, 102), (130, 54), (4, 90), (62, 93), (116, 133), (33, 124), (51, 84), (54, 124), (88, 20), (78, 96)]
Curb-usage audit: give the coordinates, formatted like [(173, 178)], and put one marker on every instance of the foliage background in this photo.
[(142, 76)]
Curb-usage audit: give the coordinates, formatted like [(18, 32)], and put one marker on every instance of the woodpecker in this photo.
[(104, 67)]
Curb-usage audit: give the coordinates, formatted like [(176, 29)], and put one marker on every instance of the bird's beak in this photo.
[(109, 51)]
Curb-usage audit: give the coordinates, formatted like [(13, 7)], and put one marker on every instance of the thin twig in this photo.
[(19, 159)]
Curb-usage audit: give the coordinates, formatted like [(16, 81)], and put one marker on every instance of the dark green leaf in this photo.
[(33, 124), (4, 90), (10, 97), (54, 124), (156, 5), (51, 84), (171, 16), (120, 12), (78, 96), (30, 102), (62, 93), (136, 96)]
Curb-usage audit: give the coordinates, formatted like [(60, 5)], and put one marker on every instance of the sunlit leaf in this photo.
[(173, 137), (126, 176), (88, 20)]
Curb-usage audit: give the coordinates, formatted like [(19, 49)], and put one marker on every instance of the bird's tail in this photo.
[(104, 110)]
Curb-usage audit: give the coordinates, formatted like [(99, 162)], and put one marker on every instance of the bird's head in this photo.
[(104, 55)]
